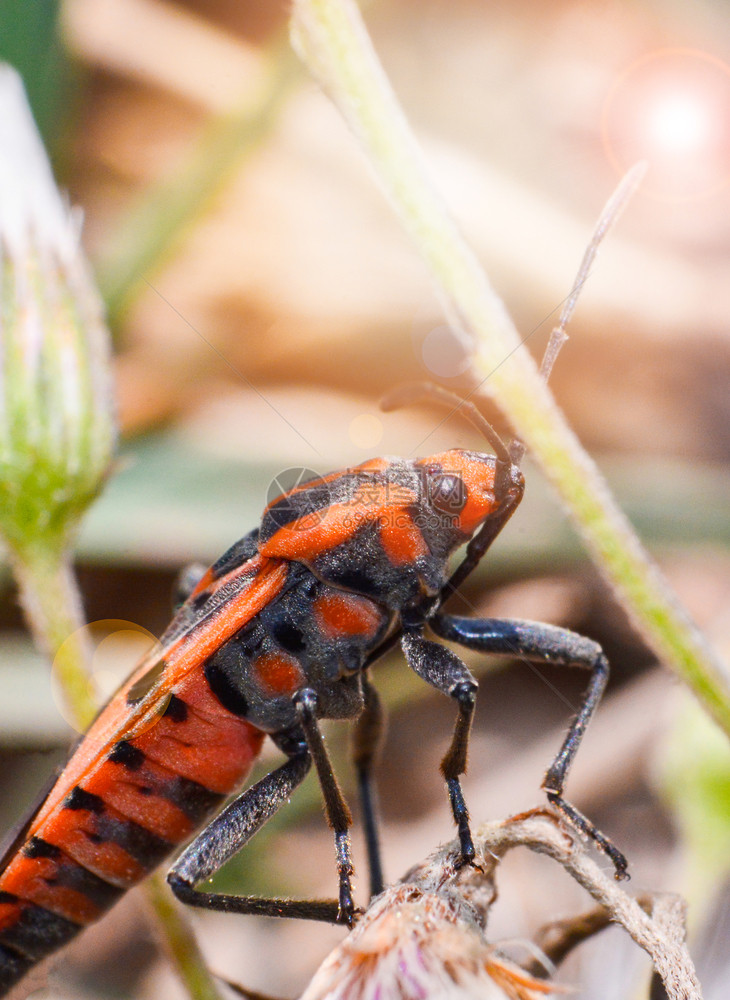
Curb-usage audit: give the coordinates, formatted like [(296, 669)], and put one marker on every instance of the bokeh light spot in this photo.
[(366, 431), (443, 353)]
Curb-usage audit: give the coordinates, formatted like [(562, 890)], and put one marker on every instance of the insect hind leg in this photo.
[(336, 809), (446, 672), (228, 833), (367, 739), (542, 643)]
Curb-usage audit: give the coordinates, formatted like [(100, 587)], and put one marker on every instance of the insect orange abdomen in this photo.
[(130, 808)]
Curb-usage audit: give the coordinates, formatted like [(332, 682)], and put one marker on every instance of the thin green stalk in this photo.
[(152, 227), (180, 942), (332, 40), (52, 604)]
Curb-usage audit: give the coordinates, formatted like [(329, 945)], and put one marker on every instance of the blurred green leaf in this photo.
[(30, 41), (694, 777), (168, 502)]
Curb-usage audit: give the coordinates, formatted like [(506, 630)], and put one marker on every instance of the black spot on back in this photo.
[(37, 932), (288, 635), (13, 966), (72, 875), (194, 799), (225, 691), (357, 579), (146, 848)]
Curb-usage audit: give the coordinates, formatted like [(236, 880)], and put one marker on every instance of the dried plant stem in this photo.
[(425, 935), (661, 934), (332, 40)]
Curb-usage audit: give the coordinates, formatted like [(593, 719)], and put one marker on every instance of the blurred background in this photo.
[(262, 298)]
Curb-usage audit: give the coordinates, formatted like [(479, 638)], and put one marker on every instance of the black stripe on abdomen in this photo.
[(13, 966), (37, 931), (144, 847), (72, 875)]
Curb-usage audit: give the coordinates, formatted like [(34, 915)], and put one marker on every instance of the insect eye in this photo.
[(447, 493)]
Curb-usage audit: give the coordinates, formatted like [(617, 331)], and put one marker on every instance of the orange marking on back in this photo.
[(278, 674), (186, 654), (341, 614), (316, 533), (402, 540), (374, 465), (371, 465), (30, 878), (329, 478)]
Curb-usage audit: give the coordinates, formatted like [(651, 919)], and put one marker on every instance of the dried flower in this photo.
[(424, 938)]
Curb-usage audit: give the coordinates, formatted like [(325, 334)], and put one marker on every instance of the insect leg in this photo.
[(336, 810), (367, 738), (546, 644), (228, 833), (442, 668)]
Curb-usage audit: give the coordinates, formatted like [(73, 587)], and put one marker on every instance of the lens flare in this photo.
[(680, 123), (672, 109), (117, 646)]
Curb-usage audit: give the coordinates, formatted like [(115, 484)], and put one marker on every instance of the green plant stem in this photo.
[(151, 229), (50, 599), (52, 603), (180, 942), (332, 40)]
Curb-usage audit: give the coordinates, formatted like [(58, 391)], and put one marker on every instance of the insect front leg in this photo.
[(546, 644), (445, 671), (336, 810), (228, 833)]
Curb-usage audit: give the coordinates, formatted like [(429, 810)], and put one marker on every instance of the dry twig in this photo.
[(425, 935)]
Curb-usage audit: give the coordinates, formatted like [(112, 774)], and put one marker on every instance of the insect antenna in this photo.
[(413, 392), (606, 220)]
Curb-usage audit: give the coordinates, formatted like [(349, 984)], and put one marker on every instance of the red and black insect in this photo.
[(276, 635)]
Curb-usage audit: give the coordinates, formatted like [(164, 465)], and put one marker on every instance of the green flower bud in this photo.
[(56, 415)]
